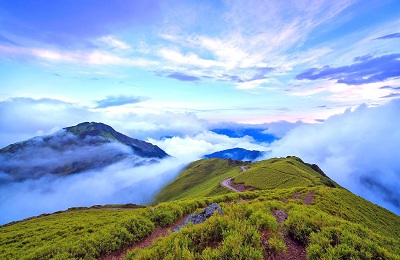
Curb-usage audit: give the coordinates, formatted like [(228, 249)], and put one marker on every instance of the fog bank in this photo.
[(359, 149), (117, 183)]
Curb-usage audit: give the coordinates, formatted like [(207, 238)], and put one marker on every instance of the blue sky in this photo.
[(239, 61)]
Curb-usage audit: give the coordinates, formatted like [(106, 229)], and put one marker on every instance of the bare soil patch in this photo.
[(158, 232), (309, 198), (294, 249)]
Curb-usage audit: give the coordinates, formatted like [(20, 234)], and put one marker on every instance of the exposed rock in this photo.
[(201, 217), (280, 215)]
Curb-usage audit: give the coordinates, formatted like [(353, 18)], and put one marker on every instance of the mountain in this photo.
[(236, 154), (258, 134), (72, 150), (202, 178), (141, 148), (283, 208)]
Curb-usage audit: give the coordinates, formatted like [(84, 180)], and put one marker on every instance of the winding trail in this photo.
[(226, 184)]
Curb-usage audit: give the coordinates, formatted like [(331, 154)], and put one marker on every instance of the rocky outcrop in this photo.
[(201, 217)]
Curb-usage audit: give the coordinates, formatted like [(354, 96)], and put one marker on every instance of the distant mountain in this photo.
[(236, 154), (140, 147), (258, 134), (72, 150)]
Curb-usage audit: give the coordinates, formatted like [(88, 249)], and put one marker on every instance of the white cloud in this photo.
[(112, 42), (191, 148), (189, 59), (115, 184), (355, 149), (96, 57), (47, 115)]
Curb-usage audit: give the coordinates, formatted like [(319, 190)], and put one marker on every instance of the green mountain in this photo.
[(285, 209), (72, 150), (201, 178)]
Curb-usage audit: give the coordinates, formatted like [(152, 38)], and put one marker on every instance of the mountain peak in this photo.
[(92, 129), (142, 148)]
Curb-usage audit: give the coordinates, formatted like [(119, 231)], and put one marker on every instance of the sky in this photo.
[(231, 61), (321, 76)]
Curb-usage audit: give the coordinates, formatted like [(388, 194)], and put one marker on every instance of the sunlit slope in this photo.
[(279, 173), (200, 178)]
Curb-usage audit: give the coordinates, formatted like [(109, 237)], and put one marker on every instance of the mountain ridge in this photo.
[(74, 149), (100, 129)]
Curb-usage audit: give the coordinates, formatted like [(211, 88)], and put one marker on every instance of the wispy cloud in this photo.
[(366, 69), (392, 95), (96, 57), (112, 42), (389, 36), (390, 87), (113, 101), (182, 77), (249, 48)]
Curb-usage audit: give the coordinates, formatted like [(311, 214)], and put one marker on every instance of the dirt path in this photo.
[(158, 232), (239, 187), (226, 184), (294, 249)]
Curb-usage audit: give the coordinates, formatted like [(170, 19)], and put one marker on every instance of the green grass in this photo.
[(321, 226), (201, 178), (237, 233), (282, 173), (73, 234)]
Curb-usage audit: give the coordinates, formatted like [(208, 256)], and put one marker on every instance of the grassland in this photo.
[(282, 173), (201, 178), (336, 225)]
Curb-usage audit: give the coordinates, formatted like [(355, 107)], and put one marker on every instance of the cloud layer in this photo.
[(358, 149), (118, 183)]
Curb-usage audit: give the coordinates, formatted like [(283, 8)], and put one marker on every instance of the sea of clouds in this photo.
[(358, 149)]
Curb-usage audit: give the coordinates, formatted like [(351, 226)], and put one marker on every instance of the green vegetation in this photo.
[(282, 173), (73, 234), (201, 178), (336, 225)]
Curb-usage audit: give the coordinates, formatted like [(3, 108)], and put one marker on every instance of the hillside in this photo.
[(281, 173), (239, 154), (201, 178), (315, 219), (72, 150)]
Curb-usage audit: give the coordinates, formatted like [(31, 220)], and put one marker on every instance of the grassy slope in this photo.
[(201, 178), (282, 173), (336, 225), (91, 233)]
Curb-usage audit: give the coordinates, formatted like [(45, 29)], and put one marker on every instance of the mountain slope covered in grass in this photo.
[(283, 173), (201, 178), (314, 218)]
